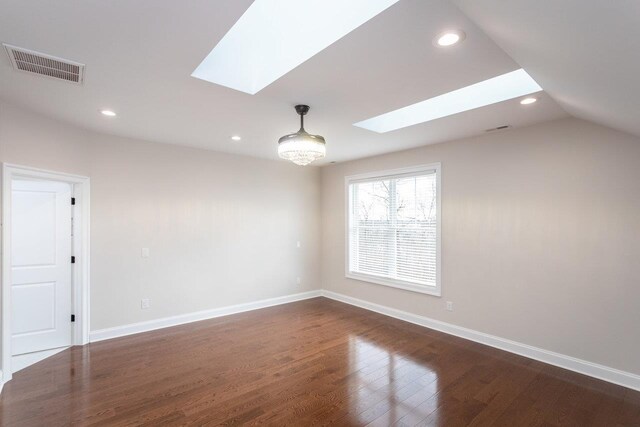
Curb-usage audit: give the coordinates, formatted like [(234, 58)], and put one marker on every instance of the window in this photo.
[(393, 230)]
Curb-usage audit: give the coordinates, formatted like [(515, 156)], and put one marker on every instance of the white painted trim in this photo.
[(151, 325), (409, 170), (24, 360), (81, 249), (605, 373), (369, 176), (398, 284), (81, 276)]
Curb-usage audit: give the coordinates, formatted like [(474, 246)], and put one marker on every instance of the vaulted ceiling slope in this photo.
[(139, 58), (584, 53)]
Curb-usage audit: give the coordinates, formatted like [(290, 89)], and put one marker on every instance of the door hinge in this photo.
[(73, 201), (73, 317), (73, 260)]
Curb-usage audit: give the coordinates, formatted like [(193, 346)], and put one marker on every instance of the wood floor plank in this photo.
[(314, 362)]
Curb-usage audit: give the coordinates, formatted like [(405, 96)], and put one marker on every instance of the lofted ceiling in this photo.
[(584, 53), (139, 58)]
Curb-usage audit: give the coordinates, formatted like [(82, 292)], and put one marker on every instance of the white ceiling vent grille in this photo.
[(45, 65), (503, 127)]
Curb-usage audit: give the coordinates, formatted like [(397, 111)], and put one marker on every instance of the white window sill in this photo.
[(423, 289)]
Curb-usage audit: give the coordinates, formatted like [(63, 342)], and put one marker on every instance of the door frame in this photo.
[(80, 241)]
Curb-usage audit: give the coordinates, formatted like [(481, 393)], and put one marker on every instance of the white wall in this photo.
[(222, 229), (540, 238), (541, 229)]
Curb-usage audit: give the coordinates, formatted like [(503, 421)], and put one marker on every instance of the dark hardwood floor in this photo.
[(313, 362)]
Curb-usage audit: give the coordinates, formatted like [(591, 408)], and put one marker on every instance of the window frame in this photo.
[(394, 283)]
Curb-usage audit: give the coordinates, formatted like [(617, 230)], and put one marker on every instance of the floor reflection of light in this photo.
[(80, 373), (387, 386)]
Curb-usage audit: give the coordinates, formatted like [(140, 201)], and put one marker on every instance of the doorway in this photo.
[(45, 260)]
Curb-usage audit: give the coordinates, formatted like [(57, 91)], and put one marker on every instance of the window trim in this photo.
[(399, 284)]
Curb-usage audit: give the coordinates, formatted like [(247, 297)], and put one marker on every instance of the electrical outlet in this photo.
[(298, 280), (145, 252), (145, 303), (449, 306)]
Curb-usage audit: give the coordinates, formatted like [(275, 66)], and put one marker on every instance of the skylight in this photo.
[(497, 89), (275, 36)]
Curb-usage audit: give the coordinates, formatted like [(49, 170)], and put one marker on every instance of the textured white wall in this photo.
[(540, 238), (221, 229)]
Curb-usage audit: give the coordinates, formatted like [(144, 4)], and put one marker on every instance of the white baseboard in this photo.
[(605, 373), (135, 328)]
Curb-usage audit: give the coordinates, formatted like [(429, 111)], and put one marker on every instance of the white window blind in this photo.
[(393, 229)]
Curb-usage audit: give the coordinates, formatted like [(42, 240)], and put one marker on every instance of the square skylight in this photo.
[(497, 89), (275, 36)]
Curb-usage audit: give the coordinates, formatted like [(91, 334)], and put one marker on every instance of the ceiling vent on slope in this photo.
[(498, 128), (45, 65)]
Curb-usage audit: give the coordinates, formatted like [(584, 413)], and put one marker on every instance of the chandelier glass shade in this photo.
[(301, 147)]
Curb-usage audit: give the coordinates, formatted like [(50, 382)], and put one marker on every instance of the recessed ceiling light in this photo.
[(236, 138), (450, 38), (497, 89), (108, 113), (528, 101), (273, 37)]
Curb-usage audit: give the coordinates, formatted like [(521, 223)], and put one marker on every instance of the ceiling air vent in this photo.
[(498, 128), (45, 65)]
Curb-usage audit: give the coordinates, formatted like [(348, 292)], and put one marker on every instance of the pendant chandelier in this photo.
[(301, 147)]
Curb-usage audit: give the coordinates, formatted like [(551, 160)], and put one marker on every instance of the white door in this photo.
[(40, 265)]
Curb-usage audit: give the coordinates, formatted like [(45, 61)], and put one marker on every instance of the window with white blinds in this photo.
[(393, 228)]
